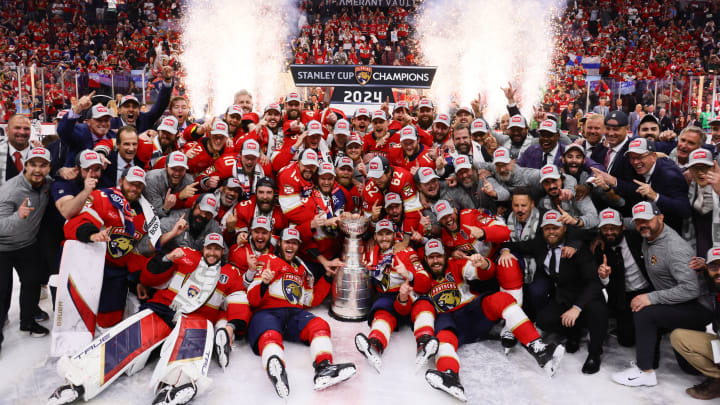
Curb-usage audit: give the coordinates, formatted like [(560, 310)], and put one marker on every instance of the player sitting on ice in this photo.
[(465, 316), (196, 289), (283, 287), (391, 265)]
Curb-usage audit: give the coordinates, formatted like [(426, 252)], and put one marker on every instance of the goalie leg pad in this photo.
[(114, 352), (185, 355)]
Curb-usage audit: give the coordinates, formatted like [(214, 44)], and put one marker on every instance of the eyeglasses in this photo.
[(641, 157)]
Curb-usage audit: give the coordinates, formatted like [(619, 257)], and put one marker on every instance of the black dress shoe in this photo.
[(592, 364), (34, 329), (572, 345), (41, 316)]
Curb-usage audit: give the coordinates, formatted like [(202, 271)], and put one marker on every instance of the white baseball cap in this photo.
[(233, 182), (99, 111), (713, 254), (408, 133), (209, 203), (293, 96), (442, 209), (169, 124), (442, 119), (355, 138), (134, 174), (314, 128), (433, 246), (361, 112), (700, 157), (462, 162), (236, 109), (384, 224), (644, 210), (548, 126), (263, 222), (549, 172), (377, 167), (127, 99), (609, 216), (426, 174), (517, 121), (466, 109), (478, 125), (342, 161), (425, 103), (501, 155), (640, 146), (177, 159), (379, 115), (551, 217), (291, 233), (392, 198), (274, 107), (401, 104), (40, 153), (251, 148), (213, 239), (326, 168), (309, 157), (342, 127), (89, 158), (219, 128)]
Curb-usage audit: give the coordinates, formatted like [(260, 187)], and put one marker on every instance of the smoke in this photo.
[(230, 45), (481, 45)]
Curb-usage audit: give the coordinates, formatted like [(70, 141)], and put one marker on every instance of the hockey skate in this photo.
[(370, 348), (507, 339), (447, 381), (327, 374), (66, 394), (222, 347), (427, 347), (547, 355), (278, 376), (171, 395)]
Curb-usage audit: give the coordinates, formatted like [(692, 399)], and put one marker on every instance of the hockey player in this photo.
[(282, 289), (246, 168), (205, 151), (409, 153), (465, 316), (384, 178), (262, 203), (196, 288), (297, 183), (478, 232), (259, 242), (392, 264)]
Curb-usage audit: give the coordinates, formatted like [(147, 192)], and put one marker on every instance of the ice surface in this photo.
[(28, 376)]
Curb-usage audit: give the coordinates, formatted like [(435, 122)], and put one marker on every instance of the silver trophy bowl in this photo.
[(351, 293)]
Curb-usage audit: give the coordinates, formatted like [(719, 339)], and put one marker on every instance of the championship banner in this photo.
[(363, 95), (78, 296), (420, 77)]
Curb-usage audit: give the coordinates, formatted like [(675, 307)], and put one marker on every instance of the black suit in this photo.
[(575, 284), (618, 298), (10, 169), (109, 175)]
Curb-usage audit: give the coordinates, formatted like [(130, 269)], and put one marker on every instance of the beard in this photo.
[(197, 224)]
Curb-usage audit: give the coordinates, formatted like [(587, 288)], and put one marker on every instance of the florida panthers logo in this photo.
[(292, 288), (120, 243), (445, 296), (193, 291), (363, 74)]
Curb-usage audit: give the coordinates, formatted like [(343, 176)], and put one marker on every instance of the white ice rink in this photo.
[(27, 375)]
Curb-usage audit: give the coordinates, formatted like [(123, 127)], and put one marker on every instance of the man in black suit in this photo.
[(593, 131), (653, 179), (121, 157), (129, 108), (575, 293), (622, 271)]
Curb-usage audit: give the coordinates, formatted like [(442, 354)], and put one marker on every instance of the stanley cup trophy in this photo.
[(351, 289)]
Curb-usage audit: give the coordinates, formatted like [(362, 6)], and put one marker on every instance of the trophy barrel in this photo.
[(351, 293)]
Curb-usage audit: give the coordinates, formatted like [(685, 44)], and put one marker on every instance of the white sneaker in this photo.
[(634, 377)]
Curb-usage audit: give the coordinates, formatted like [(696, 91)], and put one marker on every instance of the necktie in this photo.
[(552, 268), (608, 158), (18, 161), (620, 259), (545, 158)]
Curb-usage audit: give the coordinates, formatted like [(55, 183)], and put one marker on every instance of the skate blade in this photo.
[(363, 346), (65, 396), (552, 365), (325, 382), (182, 396), (221, 340), (430, 350), (274, 370), (435, 381)]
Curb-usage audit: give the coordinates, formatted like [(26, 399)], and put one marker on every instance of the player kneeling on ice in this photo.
[(283, 287), (465, 316), (392, 264), (195, 289)]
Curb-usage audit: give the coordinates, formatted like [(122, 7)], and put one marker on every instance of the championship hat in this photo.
[(213, 239), (551, 217), (177, 159), (609, 216), (434, 246), (134, 174), (169, 124), (209, 203), (290, 234), (309, 157), (644, 210), (89, 158), (442, 208)]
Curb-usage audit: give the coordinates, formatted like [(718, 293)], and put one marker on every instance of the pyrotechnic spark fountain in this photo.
[(481, 45), (230, 45)]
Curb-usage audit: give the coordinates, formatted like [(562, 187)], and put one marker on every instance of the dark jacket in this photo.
[(108, 178), (77, 137), (576, 283), (146, 120), (533, 157), (667, 180), (615, 288)]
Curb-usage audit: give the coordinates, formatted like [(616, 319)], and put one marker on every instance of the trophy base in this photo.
[(344, 318)]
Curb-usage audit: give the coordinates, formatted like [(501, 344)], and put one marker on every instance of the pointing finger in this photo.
[(604, 260), (639, 183)]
